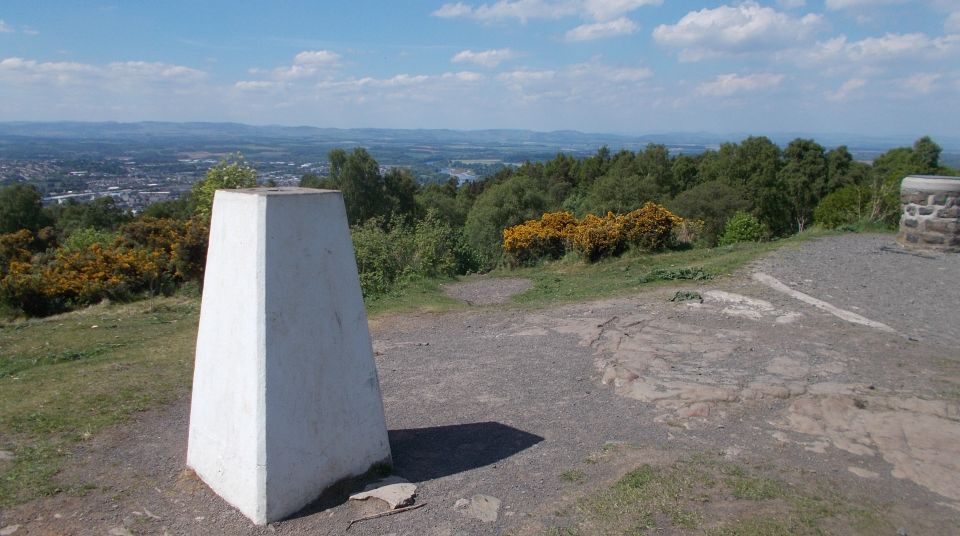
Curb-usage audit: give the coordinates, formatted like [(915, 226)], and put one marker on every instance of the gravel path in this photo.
[(492, 406), (870, 275)]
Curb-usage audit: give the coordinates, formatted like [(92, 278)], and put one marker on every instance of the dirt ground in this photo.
[(493, 405)]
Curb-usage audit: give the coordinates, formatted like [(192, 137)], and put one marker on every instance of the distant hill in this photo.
[(110, 139)]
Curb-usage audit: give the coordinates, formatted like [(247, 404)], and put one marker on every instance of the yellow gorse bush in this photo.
[(87, 276), (648, 227), (597, 237), (535, 239), (148, 255)]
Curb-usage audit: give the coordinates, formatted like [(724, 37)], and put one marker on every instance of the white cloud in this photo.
[(521, 10), (601, 30), (314, 57), (18, 70), (611, 9), (725, 85), (791, 4), (149, 71), (578, 81), (307, 64), (397, 80), (524, 10), (891, 46), (256, 84), (109, 76), (5, 28), (854, 4), (952, 24), (27, 30), (519, 79), (486, 58), (452, 11), (846, 89), (463, 76), (605, 73), (922, 83), (735, 29)]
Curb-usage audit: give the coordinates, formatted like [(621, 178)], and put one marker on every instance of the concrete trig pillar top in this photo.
[(286, 399)]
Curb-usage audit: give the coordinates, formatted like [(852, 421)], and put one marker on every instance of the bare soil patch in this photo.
[(516, 422), (488, 291)]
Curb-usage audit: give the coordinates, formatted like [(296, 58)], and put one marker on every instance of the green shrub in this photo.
[(845, 207), (387, 256), (383, 255), (441, 250), (712, 203), (82, 239), (743, 227)]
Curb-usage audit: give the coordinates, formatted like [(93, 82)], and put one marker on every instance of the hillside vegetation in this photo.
[(54, 259)]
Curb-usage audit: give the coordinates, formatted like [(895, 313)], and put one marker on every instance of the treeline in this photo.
[(56, 258), (784, 190)]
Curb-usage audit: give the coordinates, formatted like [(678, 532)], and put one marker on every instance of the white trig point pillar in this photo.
[(286, 399)]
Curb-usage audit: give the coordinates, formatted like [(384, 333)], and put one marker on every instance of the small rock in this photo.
[(461, 504), (9, 529), (901, 532), (120, 531), (395, 491), (697, 409), (483, 507), (6, 456)]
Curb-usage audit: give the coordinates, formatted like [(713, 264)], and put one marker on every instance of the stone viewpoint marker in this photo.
[(930, 213), (286, 399)]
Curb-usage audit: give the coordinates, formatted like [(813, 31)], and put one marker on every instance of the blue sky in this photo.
[(627, 66)]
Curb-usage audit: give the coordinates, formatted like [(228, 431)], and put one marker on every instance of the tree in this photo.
[(655, 165), (312, 180), (926, 156), (399, 193), (757, 166), (620, 192), (102, 214), (512, 202), (684, 172), (358, 175), (231, 173), (713, 203), (805, 177), (338, 158), (839, 168), (172, 209), (21, 207), (446, 201)]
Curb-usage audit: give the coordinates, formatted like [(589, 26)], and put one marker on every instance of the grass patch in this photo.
[(65, 378), (574, 476), (676, 274), (422, 295), (712, 497), (571, 280)]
